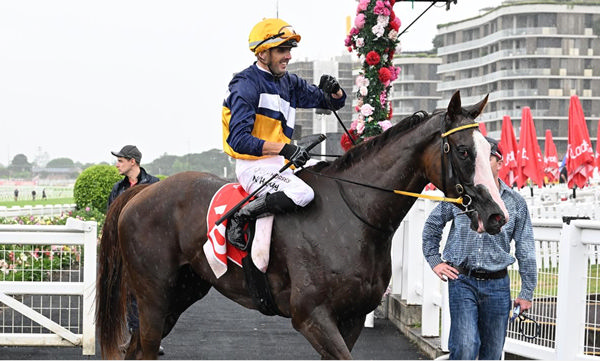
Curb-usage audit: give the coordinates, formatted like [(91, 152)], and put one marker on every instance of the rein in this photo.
[(445, 149)]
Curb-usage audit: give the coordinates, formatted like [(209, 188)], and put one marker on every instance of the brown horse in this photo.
[(330, 262)]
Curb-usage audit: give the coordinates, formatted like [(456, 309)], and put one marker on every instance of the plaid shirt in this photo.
[(482, 251)]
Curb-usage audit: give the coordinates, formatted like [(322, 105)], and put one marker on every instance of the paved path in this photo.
[(234, 332)]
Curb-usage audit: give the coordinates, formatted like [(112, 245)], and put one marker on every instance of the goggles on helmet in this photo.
[(281, 38)]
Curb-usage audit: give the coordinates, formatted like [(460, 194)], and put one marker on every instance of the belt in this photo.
[(481, 275)]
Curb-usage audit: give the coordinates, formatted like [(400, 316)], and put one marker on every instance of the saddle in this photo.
[(258, 234)]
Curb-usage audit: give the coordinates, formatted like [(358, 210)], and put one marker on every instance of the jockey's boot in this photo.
[(267, 204), (235, 225)]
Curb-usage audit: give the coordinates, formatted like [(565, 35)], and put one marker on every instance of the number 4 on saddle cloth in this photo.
[(217, 249)]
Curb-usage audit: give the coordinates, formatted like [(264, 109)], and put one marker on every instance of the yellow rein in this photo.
[(458, 200)]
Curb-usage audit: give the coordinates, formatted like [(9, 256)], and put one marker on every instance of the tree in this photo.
[(20, 163), (60, 163)]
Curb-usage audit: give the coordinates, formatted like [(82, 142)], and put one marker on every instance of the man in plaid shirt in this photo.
[(475, 264)]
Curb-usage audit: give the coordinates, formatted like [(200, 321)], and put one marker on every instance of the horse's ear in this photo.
[(476, 109), (454, 108)]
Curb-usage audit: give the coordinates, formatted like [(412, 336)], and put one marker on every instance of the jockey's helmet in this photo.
[(271, 33)]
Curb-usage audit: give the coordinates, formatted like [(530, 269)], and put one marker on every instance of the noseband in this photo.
[(449, 161)]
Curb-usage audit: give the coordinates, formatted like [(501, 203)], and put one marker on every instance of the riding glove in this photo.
[(329, 84), (295, 154)]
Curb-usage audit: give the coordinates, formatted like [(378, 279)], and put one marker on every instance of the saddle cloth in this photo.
[(217, 249)]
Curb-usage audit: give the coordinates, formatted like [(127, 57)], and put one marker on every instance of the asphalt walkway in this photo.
[(234, 332)]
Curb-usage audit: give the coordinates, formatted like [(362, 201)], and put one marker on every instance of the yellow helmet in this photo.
[(270, 33)]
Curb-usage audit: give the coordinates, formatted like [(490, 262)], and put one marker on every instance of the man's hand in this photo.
[(525, 305), (444, 271), (329, 84), (295, 154)]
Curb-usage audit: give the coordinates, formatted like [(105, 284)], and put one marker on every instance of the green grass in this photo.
[(30, 202)]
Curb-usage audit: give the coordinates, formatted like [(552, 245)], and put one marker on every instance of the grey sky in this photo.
[(81, 78)]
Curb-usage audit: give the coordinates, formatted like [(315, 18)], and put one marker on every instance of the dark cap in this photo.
[(129, 152), (495, 149)]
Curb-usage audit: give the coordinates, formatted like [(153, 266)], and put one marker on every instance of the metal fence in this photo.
[(47, 285), (566, 302)]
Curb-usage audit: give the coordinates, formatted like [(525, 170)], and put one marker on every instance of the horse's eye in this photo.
[(462, 152)]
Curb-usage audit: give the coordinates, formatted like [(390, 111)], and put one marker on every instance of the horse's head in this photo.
[(466, 170)]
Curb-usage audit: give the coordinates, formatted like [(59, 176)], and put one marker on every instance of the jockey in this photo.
[(258, 122)]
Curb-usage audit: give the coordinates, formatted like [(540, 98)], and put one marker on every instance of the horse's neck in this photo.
[(396, 166)]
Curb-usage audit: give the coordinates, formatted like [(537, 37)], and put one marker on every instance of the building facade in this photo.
[(525, 53), (317, 121), (416, 86)]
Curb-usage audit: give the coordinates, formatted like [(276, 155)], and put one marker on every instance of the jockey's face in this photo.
[(276, 59)]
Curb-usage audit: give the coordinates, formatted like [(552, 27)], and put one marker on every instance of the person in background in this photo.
[(128, 164), (33, 194), (44, 194), (258, 117), (16, 193), (475, 266)]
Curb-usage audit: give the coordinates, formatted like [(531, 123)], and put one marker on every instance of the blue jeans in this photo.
[(479, 312)]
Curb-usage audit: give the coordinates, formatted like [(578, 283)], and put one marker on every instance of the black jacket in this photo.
[(123, 185)]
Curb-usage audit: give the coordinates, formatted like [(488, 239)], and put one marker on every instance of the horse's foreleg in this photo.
[(321, 330), (351, 329)]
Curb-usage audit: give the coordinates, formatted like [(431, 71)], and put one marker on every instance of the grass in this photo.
[(547, 285), (30, 202)]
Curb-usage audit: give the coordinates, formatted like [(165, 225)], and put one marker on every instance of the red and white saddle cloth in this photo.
[(216, 248)]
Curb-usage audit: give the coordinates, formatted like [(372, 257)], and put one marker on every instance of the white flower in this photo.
[(366, 109), (360, 42), (363, 90), (378, 30), (360, 126), (393, 35), (383, 20)]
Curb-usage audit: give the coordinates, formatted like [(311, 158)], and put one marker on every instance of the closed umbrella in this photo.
[(580, 160), (529, 156), (551, 170), (598, 147), (483, 129), (508, 144)]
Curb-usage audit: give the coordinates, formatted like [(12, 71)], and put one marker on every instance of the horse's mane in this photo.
[(355, 153)]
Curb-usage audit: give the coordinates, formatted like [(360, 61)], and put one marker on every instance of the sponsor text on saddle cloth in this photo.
[(217, 249)]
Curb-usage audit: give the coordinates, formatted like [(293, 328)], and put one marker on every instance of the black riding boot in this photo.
[(235, 226), (273, 203)]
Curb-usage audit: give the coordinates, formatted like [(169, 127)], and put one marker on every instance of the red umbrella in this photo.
[(508, 144), (529, 155), (482, 129), (551, 170), (580, 160), (598, 147)]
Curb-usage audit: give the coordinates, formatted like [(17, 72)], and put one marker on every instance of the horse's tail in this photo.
[(111, 295)]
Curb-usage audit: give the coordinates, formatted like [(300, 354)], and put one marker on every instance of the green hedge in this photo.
[(93, 186)]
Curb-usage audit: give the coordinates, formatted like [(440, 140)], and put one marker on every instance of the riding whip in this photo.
[(230, 213)]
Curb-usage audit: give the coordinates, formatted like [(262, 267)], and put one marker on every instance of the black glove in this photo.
[(295, 154), (329, 84)]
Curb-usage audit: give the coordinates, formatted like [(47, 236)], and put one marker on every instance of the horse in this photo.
[(330, 261)]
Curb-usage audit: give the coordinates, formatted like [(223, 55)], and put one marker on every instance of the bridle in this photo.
[(448, 162), (463, 199)]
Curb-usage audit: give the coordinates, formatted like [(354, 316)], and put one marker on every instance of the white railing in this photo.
[(565, 301), (51, 210), (58, 311)]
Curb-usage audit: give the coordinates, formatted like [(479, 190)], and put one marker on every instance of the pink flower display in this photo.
[(374, 37)]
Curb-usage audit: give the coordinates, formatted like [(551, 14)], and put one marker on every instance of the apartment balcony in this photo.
[(491, 78), (481, 61), (496, 37)]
